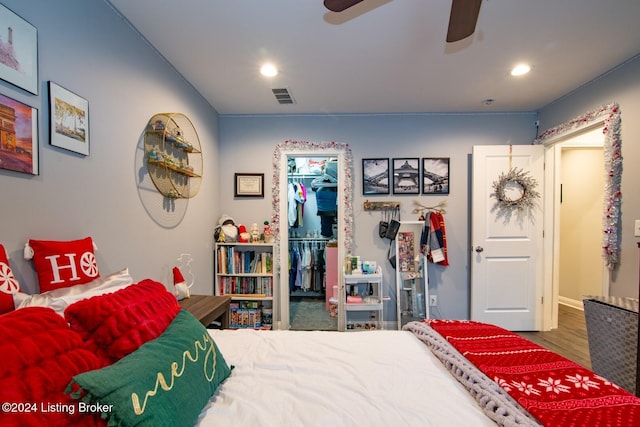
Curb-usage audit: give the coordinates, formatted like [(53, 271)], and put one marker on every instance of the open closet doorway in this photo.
[(312, 214), (321, 175), (581, 266), (602, 128)]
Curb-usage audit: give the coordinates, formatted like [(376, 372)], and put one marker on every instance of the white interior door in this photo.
[(506, 244)]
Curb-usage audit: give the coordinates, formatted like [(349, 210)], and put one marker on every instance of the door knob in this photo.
[(479, 249)]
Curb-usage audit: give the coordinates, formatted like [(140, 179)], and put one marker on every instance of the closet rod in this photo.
[(304, 175)]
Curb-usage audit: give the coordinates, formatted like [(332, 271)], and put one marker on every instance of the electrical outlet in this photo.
[(636, 228), (433, 300)]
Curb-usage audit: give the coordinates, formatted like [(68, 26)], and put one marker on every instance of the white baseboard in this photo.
[(571, 303)]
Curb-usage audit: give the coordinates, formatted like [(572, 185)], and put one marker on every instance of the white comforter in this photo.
[(314, 378)]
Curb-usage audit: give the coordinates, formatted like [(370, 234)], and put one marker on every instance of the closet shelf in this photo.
[(324, 185)]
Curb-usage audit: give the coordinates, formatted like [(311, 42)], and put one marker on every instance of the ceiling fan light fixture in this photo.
[(520, 70), (269, 70)]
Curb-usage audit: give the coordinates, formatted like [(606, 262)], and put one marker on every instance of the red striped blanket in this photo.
[(555, 390)]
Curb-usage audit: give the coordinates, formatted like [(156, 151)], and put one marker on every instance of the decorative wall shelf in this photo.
[(174, 156)]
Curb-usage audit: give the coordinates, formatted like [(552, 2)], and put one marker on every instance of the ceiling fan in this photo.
[(462, 21)]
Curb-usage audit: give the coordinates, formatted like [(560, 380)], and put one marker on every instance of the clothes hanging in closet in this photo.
[(306, 268), (326, 188), (305, 282), (296, 197), (326, 198), (295, 271)]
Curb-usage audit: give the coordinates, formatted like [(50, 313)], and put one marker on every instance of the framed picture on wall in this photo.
[(375, 176), (68, 120), (435, 175), (19, 51), (248, 185), (19, 136), (406, 176)]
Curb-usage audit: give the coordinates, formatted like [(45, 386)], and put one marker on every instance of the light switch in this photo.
[(636, 228)]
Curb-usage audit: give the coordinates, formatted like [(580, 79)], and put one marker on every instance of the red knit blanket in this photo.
[(555, 390)]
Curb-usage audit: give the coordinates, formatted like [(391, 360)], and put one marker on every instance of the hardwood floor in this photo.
[(569, 340)]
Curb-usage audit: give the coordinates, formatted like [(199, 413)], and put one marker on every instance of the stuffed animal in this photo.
[(244, 236), (227, 228)]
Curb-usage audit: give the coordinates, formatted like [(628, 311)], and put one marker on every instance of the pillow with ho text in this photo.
[(60, 264)]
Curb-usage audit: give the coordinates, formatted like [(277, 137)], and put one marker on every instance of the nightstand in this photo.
[(207, 308)]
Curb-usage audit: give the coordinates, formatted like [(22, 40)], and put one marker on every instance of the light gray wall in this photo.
[(621, 85), (87, 48), (247, 144)]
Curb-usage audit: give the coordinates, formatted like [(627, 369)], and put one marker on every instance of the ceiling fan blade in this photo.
[(340, 5), (462, 22)]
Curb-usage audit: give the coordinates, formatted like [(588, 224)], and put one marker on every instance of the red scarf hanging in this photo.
[(436, 223)]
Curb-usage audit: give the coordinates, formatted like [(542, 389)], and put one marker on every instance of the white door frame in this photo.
[(553, 148)]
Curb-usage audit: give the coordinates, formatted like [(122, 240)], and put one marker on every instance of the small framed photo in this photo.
[(18, 136), (68, 120), (435, 175), (375, 176), (248, 185), (18, 51), (406, 176)]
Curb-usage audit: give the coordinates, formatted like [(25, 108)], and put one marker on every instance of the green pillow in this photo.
[(165, 382)]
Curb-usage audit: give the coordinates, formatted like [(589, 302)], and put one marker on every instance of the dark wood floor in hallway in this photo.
[(569, 340)]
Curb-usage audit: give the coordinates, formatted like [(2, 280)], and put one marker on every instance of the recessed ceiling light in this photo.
[(520, 70), (268, 70)]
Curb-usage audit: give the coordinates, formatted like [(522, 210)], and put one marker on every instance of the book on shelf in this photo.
[(244, 285), (232, 261)]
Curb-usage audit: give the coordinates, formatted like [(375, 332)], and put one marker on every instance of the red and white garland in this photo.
[(319, 147), (613, 170)]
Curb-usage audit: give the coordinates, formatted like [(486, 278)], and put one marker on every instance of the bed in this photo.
[(315, 378), (112, 351)]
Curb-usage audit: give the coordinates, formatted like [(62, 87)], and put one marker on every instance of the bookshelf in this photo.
[(245, 272)]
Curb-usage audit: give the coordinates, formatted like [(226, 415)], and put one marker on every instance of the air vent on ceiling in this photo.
[(283, 96)]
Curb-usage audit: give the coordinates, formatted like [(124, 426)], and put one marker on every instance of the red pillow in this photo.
[(40, 356), (116, 324), (8, 284), (64, 264)]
